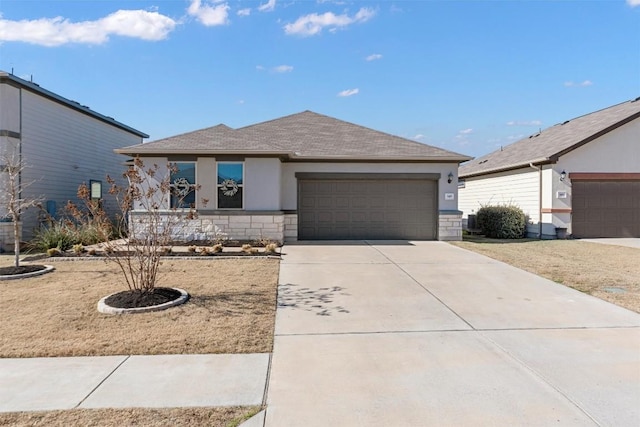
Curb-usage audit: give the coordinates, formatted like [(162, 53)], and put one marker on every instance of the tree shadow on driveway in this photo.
[(292, 296)]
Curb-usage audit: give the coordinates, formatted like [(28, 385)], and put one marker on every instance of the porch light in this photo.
[(450, 177), (563, 175)]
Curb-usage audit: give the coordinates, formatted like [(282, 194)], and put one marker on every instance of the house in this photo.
[(62, 144), (580, 177), (308, 176)]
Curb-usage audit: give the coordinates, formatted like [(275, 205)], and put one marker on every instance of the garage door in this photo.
[(605, 208), (367, 206)]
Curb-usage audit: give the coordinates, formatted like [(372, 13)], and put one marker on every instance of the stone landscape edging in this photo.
[(47, 269), (103, 307)]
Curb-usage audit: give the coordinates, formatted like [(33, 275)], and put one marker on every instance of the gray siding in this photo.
[(64, 148)]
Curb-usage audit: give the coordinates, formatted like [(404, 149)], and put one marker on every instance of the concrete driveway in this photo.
[(425, 333)]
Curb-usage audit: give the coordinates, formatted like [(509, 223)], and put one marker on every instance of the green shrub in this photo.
[(57, 234), (502, 222)]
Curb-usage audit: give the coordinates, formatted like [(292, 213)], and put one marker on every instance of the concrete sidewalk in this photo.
[(40, 384), (425, 333)]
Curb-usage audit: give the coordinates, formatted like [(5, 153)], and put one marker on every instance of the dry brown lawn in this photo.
[(178, 417), (609, 272), (231, 310)]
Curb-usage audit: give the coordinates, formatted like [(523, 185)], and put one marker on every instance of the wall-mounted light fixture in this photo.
[(563, 175), (450, 177)]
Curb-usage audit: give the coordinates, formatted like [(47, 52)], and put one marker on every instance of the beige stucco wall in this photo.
[(262, 184)]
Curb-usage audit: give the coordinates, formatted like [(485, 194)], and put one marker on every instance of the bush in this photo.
[(65, 233), (58, 234), (502, 222)]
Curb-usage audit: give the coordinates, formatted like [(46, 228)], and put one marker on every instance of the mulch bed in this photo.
[(23, 269), (135, 299)]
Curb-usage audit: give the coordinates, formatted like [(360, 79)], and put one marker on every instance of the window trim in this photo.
[(194, 186), (235, 162)]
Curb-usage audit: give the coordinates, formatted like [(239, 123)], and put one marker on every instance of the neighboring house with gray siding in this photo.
[(62, 142), (580, 177), (308, 176)]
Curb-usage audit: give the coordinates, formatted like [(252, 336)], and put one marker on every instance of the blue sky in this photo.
[(467, 76)]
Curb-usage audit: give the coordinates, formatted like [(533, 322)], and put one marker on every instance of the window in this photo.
[(183, 185), (95, 187), (230, 185)]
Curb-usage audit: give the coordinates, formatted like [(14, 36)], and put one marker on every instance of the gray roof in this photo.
[(10, 79), (301, 136), (551, 143)]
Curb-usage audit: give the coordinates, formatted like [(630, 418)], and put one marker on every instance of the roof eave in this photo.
[(540, 161), (132, 151)]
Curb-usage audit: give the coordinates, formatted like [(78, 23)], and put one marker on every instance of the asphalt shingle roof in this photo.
[(305, 135), (553, 142)]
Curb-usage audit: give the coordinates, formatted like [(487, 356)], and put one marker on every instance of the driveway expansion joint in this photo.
[(422, 286), (102, 382)]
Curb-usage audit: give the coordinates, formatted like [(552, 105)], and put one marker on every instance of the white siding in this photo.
[(290, 189), (519, 187), (65, 148)]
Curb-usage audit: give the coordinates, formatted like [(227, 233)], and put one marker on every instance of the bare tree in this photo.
[(12, 200), (147, 222)]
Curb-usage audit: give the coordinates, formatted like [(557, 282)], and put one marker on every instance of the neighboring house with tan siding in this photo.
[(580, 177), (62, 142), (308, 176)]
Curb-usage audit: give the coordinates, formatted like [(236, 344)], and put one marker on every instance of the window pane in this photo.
[(230, 171), (228, 200), (185, 170), (183, 202)]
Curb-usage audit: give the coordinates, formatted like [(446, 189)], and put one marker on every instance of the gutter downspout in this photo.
[(539, 169)]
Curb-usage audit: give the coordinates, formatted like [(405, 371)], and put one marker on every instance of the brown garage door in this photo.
[(605, 208), (364, 206)]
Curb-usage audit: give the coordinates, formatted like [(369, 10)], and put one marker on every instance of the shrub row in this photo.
[(502, 222)]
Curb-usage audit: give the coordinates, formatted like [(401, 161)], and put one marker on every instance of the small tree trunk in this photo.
[(16, 241)]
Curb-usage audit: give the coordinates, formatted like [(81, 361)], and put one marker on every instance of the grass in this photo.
[(609, 272), (231, 310), (178, 417)]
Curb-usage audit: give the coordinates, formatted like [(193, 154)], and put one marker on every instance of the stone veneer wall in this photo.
[(6, 236), (450, 225), (291, 227), (233, 226)]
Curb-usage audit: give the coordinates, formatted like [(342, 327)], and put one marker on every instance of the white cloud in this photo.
[(268, 6), (259, 68), (583, 84), (283, 69), (349, 92), (312, 24), (524, 123), (244, 12), (139, 24), (418, 136), (373, 57), (633, 3), (209, 15), (466, 131)]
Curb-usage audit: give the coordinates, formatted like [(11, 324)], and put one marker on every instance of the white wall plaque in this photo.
[(561, 194), (449, 196)]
